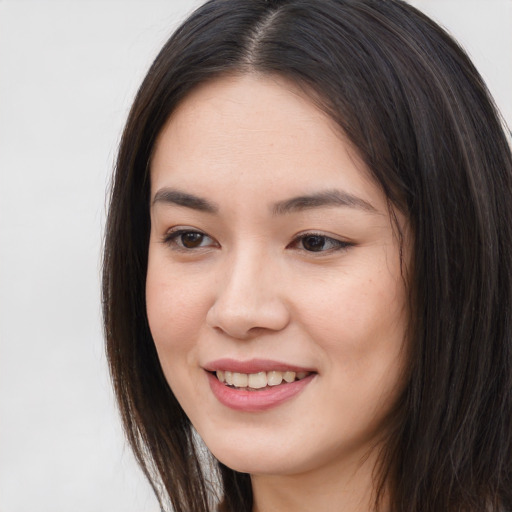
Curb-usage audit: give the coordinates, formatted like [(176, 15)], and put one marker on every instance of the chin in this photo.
[(246, 457), (256, 464)]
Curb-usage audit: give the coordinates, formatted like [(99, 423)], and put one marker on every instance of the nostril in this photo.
[(247, 319)]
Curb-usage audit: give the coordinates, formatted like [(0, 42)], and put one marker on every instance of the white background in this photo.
[(68, 72)]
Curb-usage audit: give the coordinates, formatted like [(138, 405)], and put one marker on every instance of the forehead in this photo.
[(259, 133), (248, 109)]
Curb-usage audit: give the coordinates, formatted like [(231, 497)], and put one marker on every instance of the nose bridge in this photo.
[(247, 297)]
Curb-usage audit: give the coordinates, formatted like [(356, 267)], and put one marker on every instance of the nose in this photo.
[(248, 300)]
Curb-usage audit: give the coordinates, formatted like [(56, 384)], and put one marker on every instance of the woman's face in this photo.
[(274, 289)]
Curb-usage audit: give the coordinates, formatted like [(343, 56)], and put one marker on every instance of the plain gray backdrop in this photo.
[(68, 72)]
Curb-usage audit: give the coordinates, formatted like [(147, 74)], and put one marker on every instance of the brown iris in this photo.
[(191, 239), (313, 243)]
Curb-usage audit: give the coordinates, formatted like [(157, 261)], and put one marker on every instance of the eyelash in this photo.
[(175, 241), (336, 245)]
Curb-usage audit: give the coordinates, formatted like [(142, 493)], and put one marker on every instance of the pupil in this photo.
[(191, 240), (314, 243)]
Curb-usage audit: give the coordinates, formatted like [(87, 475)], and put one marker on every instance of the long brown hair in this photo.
[(421, 117)]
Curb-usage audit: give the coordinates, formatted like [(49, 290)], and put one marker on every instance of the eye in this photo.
[(314, 242), (188, 239)]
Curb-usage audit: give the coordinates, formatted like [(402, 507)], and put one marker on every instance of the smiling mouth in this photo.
[(258, 381)]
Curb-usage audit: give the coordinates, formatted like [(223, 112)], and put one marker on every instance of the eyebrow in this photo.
[(322, 199), (173, 196), (295, 204)]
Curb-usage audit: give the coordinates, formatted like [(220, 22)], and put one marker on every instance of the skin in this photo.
[(253, 288)]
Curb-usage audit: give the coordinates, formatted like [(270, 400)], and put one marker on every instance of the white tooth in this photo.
[(301, 375), (289, 376), (240, 380), (220, 375), (274, 378), (258, 380), (229, 378)]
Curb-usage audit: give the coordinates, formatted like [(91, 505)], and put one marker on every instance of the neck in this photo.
[(349, 488)]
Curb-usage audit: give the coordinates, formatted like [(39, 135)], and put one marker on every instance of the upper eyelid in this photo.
[(184, 229), (322, 234), (178, 230)]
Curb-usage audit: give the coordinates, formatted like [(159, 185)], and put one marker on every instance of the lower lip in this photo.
[(255, 401)]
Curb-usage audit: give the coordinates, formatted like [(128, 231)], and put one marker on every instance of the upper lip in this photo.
[(252, 366)]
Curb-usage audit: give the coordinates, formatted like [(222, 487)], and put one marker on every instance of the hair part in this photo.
[(413, 105)]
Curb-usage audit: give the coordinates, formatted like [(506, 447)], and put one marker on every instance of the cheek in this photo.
[(360, 325), (349, 306), (176, 308)]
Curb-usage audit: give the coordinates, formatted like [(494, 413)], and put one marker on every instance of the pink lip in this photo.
[(252, 366), (254, 401)]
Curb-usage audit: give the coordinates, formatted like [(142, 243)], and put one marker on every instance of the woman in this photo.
[(307, 263)]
